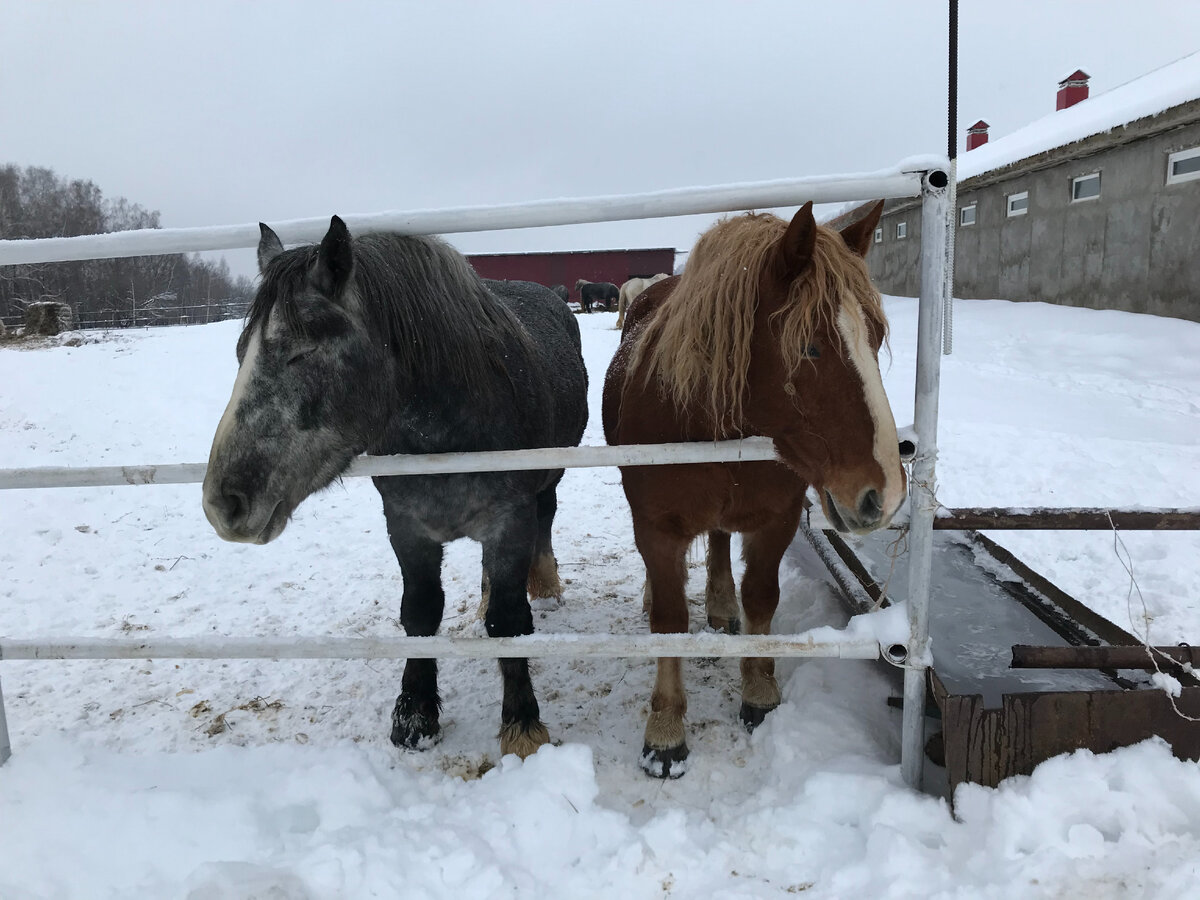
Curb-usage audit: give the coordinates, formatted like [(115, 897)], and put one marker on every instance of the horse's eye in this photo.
[(812, 351), (299, 353)]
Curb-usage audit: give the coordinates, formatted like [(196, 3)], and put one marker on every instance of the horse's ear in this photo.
[(269, 246), (795, 249), (335, 259), (860, 235)]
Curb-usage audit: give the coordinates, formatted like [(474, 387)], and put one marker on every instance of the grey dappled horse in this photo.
[(392, 344)]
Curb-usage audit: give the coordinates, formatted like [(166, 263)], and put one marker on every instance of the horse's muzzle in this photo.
[(868, 514), (237, 517)]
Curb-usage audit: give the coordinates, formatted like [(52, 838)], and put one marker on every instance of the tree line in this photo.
[(144, 290)]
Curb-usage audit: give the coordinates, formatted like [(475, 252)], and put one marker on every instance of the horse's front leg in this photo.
[(763, 550), (665, 748), (506, 559), (416, 713)]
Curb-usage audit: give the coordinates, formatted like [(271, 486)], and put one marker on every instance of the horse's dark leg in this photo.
[(665, 748), (543, 570), (763, 550), (415, 716), (720, 596), (506, 559)]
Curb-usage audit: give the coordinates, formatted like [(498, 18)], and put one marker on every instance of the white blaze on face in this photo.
[(245, 372), (853, 330)]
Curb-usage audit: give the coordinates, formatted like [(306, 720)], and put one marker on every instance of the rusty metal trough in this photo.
[(1080, 680)]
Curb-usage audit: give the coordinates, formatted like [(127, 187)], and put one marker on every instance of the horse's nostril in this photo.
[(870, 507), (236, 505)]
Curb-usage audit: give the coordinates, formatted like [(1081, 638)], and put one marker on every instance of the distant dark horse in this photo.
[(392, 344), (561, 292), (773, 329), (596, 292)]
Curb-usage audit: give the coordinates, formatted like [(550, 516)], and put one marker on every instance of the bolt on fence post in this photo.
[(935, 258)]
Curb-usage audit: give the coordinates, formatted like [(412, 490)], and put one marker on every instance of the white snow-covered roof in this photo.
[(1152, 93)]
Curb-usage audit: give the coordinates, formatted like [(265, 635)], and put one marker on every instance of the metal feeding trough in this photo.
[(1079, 681)]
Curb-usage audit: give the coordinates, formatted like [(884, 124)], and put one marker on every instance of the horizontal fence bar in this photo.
[(1138, 657), (533, 646), (1067, 519), (752, 449), (882, 185)]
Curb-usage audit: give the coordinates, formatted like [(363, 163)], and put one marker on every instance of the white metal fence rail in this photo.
[(888, 184), (534, 646), (744, 450), (926, 178)]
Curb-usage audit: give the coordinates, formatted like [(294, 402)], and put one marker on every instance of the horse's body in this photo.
[(392, 344), (560, 291), (630, 290), (592, 292), (774, 330)]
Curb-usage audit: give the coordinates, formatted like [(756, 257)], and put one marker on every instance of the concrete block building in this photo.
[(1096, 205)]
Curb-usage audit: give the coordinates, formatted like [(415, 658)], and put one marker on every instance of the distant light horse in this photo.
[(629, 292), (596, 292), (773, 329), (392, 344)]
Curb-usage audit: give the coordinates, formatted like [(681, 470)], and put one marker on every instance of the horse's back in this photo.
[(637, 316), (646, 301), (558, 349)]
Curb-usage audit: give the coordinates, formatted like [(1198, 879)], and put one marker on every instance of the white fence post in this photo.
[(5, 743), (935, 257)]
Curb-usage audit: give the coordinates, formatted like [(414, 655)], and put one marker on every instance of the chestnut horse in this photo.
[(773, 329)]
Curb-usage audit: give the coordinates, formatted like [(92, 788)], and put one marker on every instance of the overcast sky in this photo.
[(223, 113)]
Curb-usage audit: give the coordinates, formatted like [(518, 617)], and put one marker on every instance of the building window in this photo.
[(1085, 187), (901, 229), (966, 215), (1183, 166), (1018, 204), (879, 235)]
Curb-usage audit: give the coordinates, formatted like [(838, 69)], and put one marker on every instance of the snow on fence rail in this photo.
[(887, 184), (925, 177)]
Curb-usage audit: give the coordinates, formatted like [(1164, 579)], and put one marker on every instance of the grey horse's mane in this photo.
[(420, 298)]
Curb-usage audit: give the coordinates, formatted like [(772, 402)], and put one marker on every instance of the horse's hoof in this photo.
[(413, 729), (525, 740), (753, 716), (668, 763), (731, 625)]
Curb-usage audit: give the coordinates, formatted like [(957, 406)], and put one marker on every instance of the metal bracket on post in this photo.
[(936, 253)]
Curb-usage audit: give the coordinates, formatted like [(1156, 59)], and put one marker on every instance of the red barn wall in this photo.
[(616, 266)]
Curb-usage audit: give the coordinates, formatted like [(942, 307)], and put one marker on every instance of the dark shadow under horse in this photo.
[(392, 344)]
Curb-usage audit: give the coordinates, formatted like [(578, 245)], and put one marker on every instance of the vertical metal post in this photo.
[(952, 155), (935, 258), (5, 745)]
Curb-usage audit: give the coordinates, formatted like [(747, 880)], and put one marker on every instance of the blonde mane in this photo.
[(698, 343)]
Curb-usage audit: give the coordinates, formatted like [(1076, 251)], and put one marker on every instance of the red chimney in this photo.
[(977, 135), (1072, 89)]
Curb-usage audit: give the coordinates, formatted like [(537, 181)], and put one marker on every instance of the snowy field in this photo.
[(276, 779)]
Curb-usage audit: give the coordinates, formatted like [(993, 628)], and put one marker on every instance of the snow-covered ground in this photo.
[(276, 779)]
